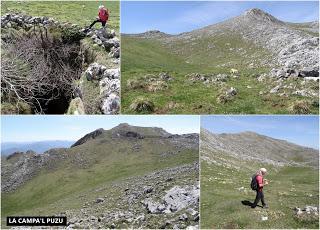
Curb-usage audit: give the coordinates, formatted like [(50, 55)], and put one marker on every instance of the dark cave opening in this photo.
[(52, 63)]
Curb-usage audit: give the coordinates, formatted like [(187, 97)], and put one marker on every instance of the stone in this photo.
[(111, 105), (99, 200), (141, 104), (183, 217), (178, 197), (108, 86), (231, 92), (309, 72), (112, 73), (275, 89), (147, 189), (76, 107)]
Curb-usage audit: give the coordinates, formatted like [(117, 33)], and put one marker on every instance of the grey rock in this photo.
[(183, 217), (99, 200), (231, 92), (275, 89), (111, 105)]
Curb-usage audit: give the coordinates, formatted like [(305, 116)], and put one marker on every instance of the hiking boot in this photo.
[(253, 206), (265, 206)]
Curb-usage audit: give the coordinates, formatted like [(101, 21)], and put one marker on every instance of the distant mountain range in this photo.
[(8, 148)]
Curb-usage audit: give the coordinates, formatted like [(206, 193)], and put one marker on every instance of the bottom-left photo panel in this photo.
[(100, 171)]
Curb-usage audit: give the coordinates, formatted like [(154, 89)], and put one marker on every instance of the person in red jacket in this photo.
[(103, 16), (261, 183)]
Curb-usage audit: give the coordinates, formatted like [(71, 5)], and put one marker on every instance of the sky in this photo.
[(302, 130), (174, 17), (40, 128)]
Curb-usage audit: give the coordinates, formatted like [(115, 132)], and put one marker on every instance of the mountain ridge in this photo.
[(256, 147)]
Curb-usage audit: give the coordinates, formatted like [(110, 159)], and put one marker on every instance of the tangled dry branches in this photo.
[(38, 69)]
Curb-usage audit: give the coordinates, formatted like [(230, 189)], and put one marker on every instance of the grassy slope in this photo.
[(78, 12), (144, 56), (289, 187), (54, 191)]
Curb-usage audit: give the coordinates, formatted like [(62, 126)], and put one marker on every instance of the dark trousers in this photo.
[(259, 196), (98, 20)]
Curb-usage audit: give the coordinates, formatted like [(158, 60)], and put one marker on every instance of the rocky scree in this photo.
[(167, 198)]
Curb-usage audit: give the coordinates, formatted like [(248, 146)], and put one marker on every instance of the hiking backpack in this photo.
[(254, 184)]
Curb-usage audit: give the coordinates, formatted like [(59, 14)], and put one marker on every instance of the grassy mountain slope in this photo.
[(225, 183), (73, 177), (212, 50), (81, 13)]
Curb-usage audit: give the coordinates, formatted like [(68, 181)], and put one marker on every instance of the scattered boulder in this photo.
[(300, 107), (275, 89), (231, 92), (178, 198), (111, 104), (147, 189), (183, 217), (99, 200), (142, 105)]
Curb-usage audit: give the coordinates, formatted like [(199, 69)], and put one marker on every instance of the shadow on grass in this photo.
[(248, 203)]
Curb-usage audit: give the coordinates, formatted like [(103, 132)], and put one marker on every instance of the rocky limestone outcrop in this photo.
[(21, 167), (88, 137), (109, 83), (167, 198)]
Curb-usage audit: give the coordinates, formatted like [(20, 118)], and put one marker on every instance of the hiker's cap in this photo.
[(263, 170), (101, 7)]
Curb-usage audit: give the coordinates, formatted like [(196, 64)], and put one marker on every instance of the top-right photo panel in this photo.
[(218, 57)]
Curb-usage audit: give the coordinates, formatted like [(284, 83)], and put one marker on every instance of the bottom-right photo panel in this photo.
[(259, 172)]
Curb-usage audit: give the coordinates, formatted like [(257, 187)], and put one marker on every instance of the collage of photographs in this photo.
[(123, 114)]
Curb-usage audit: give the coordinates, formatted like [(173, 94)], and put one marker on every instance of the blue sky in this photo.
[(175, 16), (302, 130), (38, 128)]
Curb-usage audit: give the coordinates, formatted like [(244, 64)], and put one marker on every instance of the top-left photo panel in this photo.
[(60, 57)]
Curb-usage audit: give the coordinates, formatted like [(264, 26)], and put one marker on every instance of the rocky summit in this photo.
[(125, 177), (292, 47)]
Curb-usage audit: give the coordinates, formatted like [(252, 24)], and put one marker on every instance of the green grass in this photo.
[(141, 56), (103, 162), (77, 12), (289, 187)]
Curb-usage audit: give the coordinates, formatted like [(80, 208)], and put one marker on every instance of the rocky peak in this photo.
[(88, 137), (260, 15), (126, 130)]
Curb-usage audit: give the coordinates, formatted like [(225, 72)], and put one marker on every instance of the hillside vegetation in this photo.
[(247, 64), (81, 12)]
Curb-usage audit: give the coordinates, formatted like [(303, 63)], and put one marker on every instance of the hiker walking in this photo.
[(257, 184), (103, 16)]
